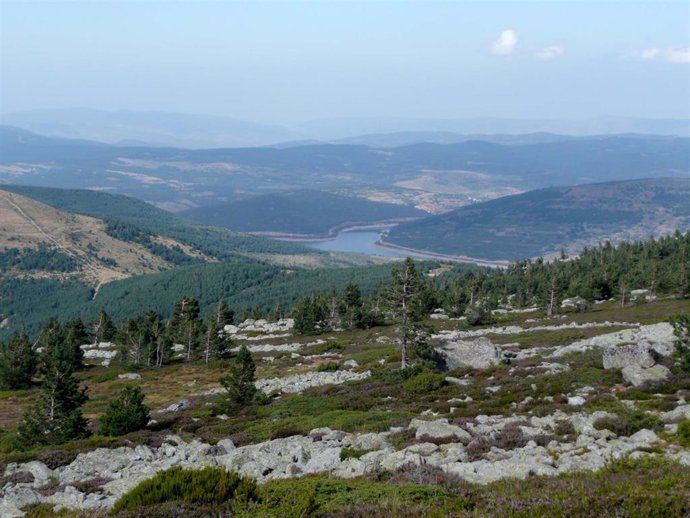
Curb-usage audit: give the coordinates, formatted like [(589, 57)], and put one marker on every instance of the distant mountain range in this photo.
[(426, 175), (155, 128), (544, 221), (150, 129), (304, 212)]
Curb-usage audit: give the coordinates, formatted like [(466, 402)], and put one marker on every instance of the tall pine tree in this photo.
[(56, 415), (17, 362)]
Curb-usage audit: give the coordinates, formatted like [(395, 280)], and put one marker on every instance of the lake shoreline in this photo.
[(421, 254), (372, 242), (333, 233)]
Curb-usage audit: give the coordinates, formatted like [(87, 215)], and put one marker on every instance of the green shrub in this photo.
[(331, 346), (684, 432), (423, 383), (105, 377), (127, 413), (329, 367), (392, 373), (351, 453), (202, 486), (627, 421)]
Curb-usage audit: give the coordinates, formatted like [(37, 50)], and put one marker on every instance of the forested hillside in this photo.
[(543, 222), (303, 212), (250, 288), (216, 242)]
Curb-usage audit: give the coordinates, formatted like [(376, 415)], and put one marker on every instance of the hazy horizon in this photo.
[(289, 62)]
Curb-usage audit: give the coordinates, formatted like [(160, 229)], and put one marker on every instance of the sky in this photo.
[(285, 62)]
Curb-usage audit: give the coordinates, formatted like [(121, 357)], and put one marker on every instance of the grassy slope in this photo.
[(630, 488)]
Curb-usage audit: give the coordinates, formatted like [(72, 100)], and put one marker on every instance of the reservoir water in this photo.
[(359, 241)]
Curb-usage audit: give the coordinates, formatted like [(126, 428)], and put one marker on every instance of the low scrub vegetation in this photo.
[(204, 486)]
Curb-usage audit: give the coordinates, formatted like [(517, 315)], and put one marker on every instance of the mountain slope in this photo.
[(304, 212), (215, 242), (42, 241), (542, 222)]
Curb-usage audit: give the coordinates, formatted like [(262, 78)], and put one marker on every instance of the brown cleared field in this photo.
[(26, 223)]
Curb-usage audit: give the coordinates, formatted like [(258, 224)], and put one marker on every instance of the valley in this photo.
[(312, 259)]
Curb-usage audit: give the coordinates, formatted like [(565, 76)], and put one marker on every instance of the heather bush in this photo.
[(203, 486), (424, 383), (684, 432)]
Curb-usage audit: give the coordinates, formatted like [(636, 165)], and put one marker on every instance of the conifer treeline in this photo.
[(661, 266)]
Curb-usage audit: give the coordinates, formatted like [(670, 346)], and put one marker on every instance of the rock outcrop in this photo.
[(300, 382), (115, 471)]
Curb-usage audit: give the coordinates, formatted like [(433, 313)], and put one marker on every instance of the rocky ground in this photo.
[(528, 397)]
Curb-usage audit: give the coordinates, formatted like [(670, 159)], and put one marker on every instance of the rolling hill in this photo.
[(39, 240), (435, 177), (304, 212), (543, 222)]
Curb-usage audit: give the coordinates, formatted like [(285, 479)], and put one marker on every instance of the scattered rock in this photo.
[(576, 401)]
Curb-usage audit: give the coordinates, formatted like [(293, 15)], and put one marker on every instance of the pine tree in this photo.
[(127, 413), (102, 328), (75, 337), (161, 344), (681, 328), (17, 362), (352, 305), (214, 341), (135, 341), (239, 382), (56, 415), (185, 324), (57, 344), (222, 314), (402, 298)]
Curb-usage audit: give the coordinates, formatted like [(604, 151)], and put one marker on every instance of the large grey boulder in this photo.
[(479, 353), (637, 376), (438, 429), (621, 356), (130, 376)]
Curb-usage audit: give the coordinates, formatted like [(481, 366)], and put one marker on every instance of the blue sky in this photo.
[(291, 61)]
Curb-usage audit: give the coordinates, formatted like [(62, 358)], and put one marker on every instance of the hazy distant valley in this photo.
[(315, 190)]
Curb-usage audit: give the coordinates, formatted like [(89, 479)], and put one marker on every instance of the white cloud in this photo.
[(649, 54), (549, 53), (505, 44), (678, 55), (671, 55)]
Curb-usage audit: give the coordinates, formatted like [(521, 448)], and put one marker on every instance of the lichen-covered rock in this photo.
[(175, 407), (480, 353), (300, 382), (621, 356), (637, 376), (131, 376), (438, 429)]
